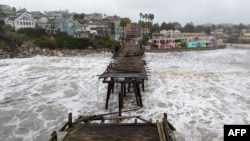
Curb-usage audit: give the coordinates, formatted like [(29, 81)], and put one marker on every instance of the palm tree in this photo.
[(146, 21), (140, 16), (143, 17), (151, 18), (143, 25), (123, 23)]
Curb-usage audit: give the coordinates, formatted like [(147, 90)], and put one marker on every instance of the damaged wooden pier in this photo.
[(84, 130), (128, 70)]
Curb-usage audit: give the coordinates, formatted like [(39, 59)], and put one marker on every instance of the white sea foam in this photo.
[(200, 92)]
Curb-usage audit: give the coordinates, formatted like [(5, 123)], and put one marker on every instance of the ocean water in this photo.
[(200, 92)]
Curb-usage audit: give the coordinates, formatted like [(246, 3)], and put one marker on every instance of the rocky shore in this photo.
[(30, 50)]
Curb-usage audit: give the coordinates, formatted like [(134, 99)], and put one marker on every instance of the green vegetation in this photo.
[(32, 33), (104, 42), (145, 40), (80, 18), (46, 42), (4, 45), (17, 38), (8, 28), (65, 41), (60, 40)]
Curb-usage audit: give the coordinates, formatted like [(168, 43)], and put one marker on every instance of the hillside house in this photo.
[(21, 19), (67, 25), (95, 29), (94, 17), (57, 14)]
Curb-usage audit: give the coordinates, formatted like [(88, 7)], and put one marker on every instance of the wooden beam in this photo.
[(147, 121), (70, 120), (53, 136), (108, 94), (136, 94), (120, 103), (159, 130), (143, 87), (139, 94)]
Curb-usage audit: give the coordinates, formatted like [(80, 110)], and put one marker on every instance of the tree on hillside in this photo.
[(213, 27), (189, 27), (13, 9), (177, 25), (208, 30), (163, 26), (156, 28), (170, 26), (80, 18)]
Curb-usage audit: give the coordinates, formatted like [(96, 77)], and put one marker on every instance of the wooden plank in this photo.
[(162, 131), (159, 130), (111, 132)]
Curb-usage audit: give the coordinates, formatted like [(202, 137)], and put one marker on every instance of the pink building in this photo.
[(164, 42)]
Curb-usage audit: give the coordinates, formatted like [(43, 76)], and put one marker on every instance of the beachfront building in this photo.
[(132, 30), (245, 37)]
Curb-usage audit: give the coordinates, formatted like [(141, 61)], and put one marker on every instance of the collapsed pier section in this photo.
[(128, 70)]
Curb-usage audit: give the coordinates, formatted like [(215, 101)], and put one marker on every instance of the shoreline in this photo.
[(243, 46)]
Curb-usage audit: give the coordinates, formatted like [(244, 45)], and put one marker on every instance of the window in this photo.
[(70, 24)]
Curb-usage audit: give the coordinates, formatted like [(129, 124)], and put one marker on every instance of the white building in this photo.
[(21, 20), (93, 28)]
